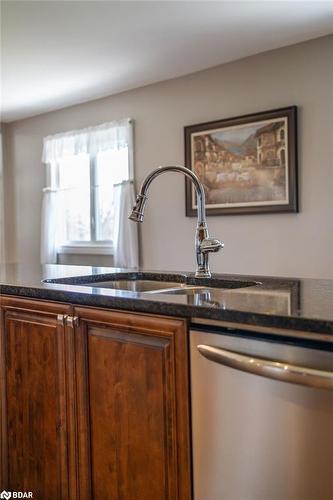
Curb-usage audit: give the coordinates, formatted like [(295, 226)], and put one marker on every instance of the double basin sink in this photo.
[(154, 283)]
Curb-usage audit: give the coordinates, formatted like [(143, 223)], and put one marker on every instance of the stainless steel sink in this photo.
[(142, 286), (145, 286), (154, 283), (184, 290)]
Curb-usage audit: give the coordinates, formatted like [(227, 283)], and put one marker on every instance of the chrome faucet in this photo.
[(203, 243)]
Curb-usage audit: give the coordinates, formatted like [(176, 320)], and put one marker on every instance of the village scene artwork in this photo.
[(243, 165)]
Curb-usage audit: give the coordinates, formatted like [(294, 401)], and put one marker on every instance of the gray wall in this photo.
[(2, 221), (275, 244)]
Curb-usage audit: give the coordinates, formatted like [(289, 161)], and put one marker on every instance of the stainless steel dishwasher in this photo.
[(257, 438)]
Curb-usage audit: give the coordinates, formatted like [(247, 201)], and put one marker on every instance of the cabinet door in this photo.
[(34, 394), (132, 375)]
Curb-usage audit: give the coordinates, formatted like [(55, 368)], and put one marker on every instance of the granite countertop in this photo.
[(289, 303)]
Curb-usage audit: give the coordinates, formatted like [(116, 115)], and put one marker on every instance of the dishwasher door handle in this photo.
[(277, 370)]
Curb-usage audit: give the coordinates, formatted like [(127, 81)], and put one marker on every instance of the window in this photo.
[(85, 203), (86, 171)]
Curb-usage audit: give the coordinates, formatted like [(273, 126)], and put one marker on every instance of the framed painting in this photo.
[(247, 164)]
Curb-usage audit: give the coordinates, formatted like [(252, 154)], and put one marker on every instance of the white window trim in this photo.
[(78, 248)]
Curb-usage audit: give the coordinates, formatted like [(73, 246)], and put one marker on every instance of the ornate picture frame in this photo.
[(247, 164)]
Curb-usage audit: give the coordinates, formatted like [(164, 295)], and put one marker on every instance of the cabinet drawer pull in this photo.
[(277, 370)]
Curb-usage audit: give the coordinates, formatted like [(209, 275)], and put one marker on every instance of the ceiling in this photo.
[(58, 53)]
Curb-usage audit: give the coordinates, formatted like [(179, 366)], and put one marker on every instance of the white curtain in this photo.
[(125, 231), (92, 140), (49, 243), (49, 247), (113, 135)]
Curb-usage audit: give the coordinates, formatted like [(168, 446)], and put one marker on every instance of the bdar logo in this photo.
[(5, 494)]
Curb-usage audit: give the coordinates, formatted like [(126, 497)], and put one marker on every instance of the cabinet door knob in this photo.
[(61, 319), (72, 321)]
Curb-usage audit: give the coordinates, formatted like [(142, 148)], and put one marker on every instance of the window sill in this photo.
[(86, 249)]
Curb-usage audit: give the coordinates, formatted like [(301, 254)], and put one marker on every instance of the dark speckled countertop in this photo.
[(303, 305)]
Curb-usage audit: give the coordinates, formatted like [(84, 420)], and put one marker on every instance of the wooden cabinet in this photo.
[(34, 402), (132, 406), (96, 404)]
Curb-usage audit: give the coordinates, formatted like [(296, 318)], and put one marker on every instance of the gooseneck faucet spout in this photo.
[(203, 243)]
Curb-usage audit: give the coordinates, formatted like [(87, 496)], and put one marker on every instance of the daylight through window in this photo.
[(86, 202)]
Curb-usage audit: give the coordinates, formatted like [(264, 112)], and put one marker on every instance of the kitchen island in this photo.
[(95, 382)]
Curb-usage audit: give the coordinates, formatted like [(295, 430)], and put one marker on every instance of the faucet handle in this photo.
[(211, 245)]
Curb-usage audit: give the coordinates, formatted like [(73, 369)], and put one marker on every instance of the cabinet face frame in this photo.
[(3, 405), (169, 336)]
